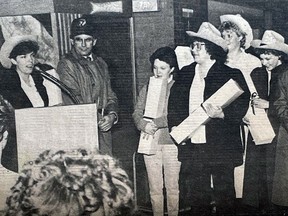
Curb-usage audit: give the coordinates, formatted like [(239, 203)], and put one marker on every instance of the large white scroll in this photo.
[(222, 97), (156, 95), (184, 56), (260, 127), (55, 128), (154, 108)]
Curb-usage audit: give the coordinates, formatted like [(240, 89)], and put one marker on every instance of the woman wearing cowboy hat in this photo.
[(259, 167), (21, 85), (273, 53), (215, 148), (237, 33)]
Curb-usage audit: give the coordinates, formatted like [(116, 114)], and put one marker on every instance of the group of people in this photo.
[(201, 170), (85, 74), (79, 183)]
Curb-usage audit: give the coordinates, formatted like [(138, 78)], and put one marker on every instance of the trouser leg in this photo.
[(154, 169), (171, 178), (223, 180)]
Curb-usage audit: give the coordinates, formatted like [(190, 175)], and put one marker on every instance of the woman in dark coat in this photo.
[(260, 159), (280, 180), (20, 85), (215, 148)]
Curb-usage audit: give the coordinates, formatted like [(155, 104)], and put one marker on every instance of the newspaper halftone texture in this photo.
[(52, 128), (222, 97), (28, 25)]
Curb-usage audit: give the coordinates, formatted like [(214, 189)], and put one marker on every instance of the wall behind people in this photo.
[(165, 27), (29, 25), (114, 46), (152, 30), (261, 15)]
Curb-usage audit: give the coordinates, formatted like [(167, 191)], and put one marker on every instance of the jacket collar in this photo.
[(79, 57)]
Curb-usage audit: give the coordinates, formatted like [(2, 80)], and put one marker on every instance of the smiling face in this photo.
[(161, 69), (270, 61), (232, 39), (199, 52), (24, 63), (83, 44)]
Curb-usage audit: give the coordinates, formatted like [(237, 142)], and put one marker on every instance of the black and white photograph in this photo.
[(144, 107)]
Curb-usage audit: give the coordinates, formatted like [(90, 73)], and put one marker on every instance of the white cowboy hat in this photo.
[(243, 25), (271, 40), (209, 32), (8, 46)]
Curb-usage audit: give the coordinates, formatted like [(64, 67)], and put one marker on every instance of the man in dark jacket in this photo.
[(215, 148)]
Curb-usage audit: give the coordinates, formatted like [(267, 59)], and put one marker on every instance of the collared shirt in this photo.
[(31, 92), (89, 57)]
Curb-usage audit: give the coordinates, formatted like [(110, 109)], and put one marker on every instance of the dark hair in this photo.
[(214, 50), (283, 56), (166, 54), (24, 48), (227, 25)]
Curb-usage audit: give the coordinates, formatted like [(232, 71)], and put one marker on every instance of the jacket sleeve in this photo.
[(161, 122), (178, 103), (234, 113), (139, 109), (112, 100), (281, 102), (67, 75)]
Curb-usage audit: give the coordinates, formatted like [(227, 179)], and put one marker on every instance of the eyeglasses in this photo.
[(198, 46)]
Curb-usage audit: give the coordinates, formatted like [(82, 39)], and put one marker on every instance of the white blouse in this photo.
[(31, 92)]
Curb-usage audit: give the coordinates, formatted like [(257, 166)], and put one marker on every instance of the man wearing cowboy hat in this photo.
[(271, 82), (215, 148), (88, 78)]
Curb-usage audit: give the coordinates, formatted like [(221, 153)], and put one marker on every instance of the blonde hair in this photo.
[(71, 183)]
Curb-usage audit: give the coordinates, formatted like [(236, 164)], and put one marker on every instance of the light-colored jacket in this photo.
[(90, 82)]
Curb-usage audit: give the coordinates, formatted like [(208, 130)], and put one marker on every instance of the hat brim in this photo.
[(243, 25), (282, 47), (216, 40), (8, 46)]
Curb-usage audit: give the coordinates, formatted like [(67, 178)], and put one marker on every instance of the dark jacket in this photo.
[(223, 143), (10, 89), (260, 159), (280, 180), (260, 80)]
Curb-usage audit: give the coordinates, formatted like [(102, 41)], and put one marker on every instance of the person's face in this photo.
[(24, 63), (270, 61), (161, 69), (199, 52), (232, 39), (83, 44)]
